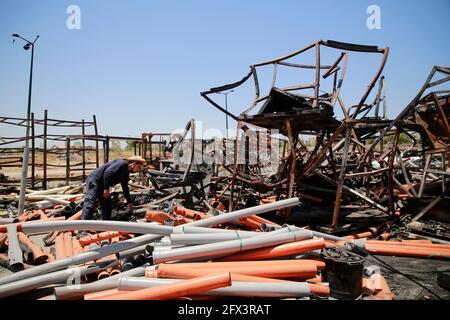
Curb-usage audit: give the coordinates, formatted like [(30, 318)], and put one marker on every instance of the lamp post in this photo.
[(226, 108), (23, 181)]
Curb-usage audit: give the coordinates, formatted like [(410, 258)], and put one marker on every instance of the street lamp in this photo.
[(23, 181), (226, 108)]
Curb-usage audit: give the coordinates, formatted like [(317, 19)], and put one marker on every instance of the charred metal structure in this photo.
[(356, 160)]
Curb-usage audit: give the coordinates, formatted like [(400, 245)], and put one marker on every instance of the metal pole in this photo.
[(23, 182)]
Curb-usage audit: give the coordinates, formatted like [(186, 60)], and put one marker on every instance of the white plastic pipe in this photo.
[(51, 191), (71, 274), (14, 252), (52, 198), (209, 237), (78, 291), (224, 248), (245, 212), (187, 228), (237, 289), (203, 238), (80, 258), (57, 200), (68, 225)]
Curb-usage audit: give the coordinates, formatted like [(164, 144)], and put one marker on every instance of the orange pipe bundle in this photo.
[(269, 271), (38, 254), (282, 250), (99, 237), (170, 291), (30, 215)]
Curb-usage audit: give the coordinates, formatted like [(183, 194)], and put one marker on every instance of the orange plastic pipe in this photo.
[(180, 289), (114, 271), (43, 215), (250, 223), (271, 271), (377, 286), (68, 244), (317, 278), (320, 265), (417, 241), (192, 214), (99, 237), (307, 196), (410, 244), (103, 274), (217, 205), (261, 220), (152, 273), (320, 290), (101, 294), (60, 250), (268, 200), (156, 216), (366, 234), (77, 249), (277, 251), (50, 256), (408, 251), (76, 216), (38, 255), (384, 236), (3, 238)]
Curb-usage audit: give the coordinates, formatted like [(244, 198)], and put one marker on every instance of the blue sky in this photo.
[(140, 65)]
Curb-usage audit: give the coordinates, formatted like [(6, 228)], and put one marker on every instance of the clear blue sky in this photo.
[(140, 65)]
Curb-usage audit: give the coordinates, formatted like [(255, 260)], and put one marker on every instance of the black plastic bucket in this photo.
[(344, 270)]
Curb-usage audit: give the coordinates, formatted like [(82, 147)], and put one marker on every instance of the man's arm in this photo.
[(126, 190)]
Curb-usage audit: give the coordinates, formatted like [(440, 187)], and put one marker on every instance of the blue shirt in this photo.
[(114, 172)]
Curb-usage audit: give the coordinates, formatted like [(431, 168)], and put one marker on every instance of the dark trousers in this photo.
[(94, 190)]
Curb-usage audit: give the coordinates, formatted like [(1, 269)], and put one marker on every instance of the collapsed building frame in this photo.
[(345, 150)]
